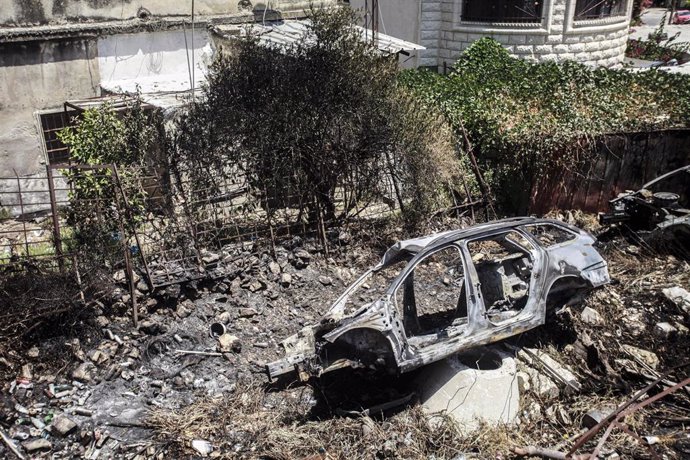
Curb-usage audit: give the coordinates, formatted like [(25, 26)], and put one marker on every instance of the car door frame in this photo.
[(416, 355), (534, 312)]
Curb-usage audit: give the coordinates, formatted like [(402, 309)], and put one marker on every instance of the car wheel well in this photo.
[(566, 290), (368, 346)]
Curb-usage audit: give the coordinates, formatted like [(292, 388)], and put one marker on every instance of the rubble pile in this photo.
[(190, 382)]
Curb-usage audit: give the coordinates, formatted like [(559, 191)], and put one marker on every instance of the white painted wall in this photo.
[(398, 18), (156, 61)]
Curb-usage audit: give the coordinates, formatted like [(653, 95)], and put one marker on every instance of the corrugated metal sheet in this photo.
[(283, 33)]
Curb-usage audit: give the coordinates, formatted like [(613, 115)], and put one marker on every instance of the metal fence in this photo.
[(171, 229)]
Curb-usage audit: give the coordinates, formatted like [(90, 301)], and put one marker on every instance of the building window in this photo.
[(502, 10), (51, 124), (597, 9)]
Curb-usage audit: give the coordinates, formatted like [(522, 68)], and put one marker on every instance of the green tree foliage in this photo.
[(324, 115), (103, 136), (529, 120)]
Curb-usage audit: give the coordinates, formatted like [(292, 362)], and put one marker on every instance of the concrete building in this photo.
[(80, 51), (588, 31)]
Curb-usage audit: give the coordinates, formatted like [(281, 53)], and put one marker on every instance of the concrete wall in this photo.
[(400, 19), (36, 76), (557, 37), (27, 12), (155, 61)]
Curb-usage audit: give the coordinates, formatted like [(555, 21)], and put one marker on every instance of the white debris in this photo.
[(202, 447), (591, 316), (665, 330), (679, 296)]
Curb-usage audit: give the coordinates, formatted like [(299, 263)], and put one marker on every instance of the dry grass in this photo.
[(245, 425)]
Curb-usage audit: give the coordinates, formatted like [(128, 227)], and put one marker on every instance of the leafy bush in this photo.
[(658, 46), (529, 120), (103, 136)]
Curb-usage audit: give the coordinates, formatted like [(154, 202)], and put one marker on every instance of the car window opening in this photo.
[(504, 266), (433, 296)]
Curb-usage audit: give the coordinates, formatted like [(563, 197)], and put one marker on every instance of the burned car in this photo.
[(434, 296), (657, 213)]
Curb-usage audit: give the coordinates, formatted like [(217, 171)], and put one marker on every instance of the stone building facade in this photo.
[(588, 31)]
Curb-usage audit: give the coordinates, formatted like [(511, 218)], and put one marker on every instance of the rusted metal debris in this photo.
[(434, 296), (610, 422), (658, 212)]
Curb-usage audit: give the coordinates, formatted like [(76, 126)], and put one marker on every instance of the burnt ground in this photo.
[(133, 395)]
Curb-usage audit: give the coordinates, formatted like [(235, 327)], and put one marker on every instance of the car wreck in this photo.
[(434, 296), (658, 212)]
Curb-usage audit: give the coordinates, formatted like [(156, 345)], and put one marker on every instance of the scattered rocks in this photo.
[(286, 279), (274, 268), (85, 372), (37, 444), (228, 343), (247, 312), (645, 356), (325, 280), (152, 327), (184, 309)]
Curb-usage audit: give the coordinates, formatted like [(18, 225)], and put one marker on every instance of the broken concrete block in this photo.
[(326, 281), (545, 365), (645, 356), (591, 316), (665, 330), (679, 296), (37, 444), (63, 425), (542, 385), (85, 372), (470, 395)]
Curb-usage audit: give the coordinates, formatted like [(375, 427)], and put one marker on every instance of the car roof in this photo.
[(416, 245)]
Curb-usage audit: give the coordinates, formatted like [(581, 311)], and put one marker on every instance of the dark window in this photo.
[(51, 124), (595, 9), (502, 10)]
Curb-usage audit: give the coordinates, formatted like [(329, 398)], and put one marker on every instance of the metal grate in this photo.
[(51, 124), (597, 9), (502, 11)]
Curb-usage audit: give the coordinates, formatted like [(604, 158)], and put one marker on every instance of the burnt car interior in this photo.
[(504, 266), (433, 295)]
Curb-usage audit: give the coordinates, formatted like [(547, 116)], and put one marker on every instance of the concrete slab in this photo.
[(478, 385)]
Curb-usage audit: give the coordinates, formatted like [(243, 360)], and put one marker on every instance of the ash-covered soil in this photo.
[(130, 393)]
